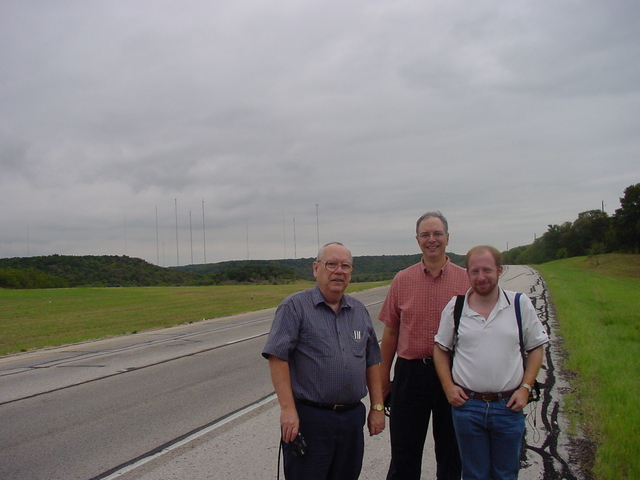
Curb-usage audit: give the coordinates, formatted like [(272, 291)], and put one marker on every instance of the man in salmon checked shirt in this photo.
[(411, 314)]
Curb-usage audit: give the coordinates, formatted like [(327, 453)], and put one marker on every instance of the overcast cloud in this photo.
[(506, 116)]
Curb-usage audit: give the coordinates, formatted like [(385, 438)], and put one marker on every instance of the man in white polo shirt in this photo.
[(486, 381)]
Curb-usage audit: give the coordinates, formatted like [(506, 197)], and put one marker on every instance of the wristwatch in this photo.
[(378, 406), (527, 386)]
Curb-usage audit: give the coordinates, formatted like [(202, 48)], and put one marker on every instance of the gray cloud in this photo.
[(506, 116)]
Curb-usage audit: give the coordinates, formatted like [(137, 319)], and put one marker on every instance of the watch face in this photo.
[(377, 407)]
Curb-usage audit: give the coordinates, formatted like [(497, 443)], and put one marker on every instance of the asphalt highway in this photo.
[(196, 402)]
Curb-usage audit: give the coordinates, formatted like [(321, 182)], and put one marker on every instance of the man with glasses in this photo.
[(324, 355), (411, 314)]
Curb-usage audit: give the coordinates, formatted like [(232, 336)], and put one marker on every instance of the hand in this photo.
[(455, 395), (290, 424), (375, 422), (519, 399)]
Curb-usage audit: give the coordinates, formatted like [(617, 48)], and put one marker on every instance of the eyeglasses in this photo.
[(333, 266), (437, 234)]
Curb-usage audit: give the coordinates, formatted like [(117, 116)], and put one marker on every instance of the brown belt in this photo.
[(490, 397)]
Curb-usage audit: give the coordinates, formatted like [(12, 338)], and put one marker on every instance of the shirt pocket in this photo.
[(358, 342)]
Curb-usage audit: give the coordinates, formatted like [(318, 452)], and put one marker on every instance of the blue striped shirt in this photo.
[(328, 353)]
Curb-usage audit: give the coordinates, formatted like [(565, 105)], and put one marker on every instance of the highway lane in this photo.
[(84, 410)]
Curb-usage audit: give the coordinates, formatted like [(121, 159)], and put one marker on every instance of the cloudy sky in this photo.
[(127, 126)]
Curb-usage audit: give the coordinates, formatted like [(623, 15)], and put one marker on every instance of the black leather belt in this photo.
[(328, 406), (426, 360), (490, 397)]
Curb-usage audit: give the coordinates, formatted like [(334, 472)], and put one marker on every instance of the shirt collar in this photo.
[(318, 298), (503, 298), (442, 271)]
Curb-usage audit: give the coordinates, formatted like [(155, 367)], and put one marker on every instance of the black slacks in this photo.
[(416, 396)]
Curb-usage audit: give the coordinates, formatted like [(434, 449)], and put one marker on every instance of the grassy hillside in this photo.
[(612, 264), (597, 303)]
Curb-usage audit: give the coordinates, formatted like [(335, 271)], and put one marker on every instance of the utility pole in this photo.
[(284, 235), (247, 239), (177, 249), (318, 227), (295, 245), (157, 240), (204, 236), (191, 236)]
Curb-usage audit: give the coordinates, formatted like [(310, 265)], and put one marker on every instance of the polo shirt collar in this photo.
[(503, 299)]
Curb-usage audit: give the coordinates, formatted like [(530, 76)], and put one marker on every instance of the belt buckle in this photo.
[(487, 397), (337, 407)]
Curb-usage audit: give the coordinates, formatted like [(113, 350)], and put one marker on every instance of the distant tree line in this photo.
[(594, 232), (58, 271), (28, 278), (250, 274), (64, 271), (366, 268)]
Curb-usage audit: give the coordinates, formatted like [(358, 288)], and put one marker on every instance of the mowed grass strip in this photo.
[(598, 311), (32, 319)]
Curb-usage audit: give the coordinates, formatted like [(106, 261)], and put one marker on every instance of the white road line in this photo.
[(191, 438)]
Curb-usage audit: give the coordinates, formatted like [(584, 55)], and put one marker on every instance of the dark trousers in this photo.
[(417, 393), (335, 445)]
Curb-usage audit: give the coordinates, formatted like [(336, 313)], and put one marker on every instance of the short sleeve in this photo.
[(445, 336)]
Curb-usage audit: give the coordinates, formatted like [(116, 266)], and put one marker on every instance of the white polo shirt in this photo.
[(487, 352)]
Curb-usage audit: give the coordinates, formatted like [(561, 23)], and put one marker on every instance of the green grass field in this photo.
[(598, 310), (31, 319)]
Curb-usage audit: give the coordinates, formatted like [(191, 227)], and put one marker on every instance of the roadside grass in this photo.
[(32, 319), (598, 311)]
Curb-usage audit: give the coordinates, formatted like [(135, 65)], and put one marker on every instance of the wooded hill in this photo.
[(60, 271)]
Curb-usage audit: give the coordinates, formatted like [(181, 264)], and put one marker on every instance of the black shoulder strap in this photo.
[(457, 313), (535, 394), (519, 319)]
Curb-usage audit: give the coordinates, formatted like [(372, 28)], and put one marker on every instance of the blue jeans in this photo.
[(489, 438), (335, 445)]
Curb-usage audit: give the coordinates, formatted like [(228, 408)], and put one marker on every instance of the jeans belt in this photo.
[(490, 397), (328, 406)]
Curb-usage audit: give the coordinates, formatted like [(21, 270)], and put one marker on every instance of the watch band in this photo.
[(378, 406)]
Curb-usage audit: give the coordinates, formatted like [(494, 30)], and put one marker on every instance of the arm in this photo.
[(375, 421), (388, 348), (442, 360), (534, 361), (281, 378)]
